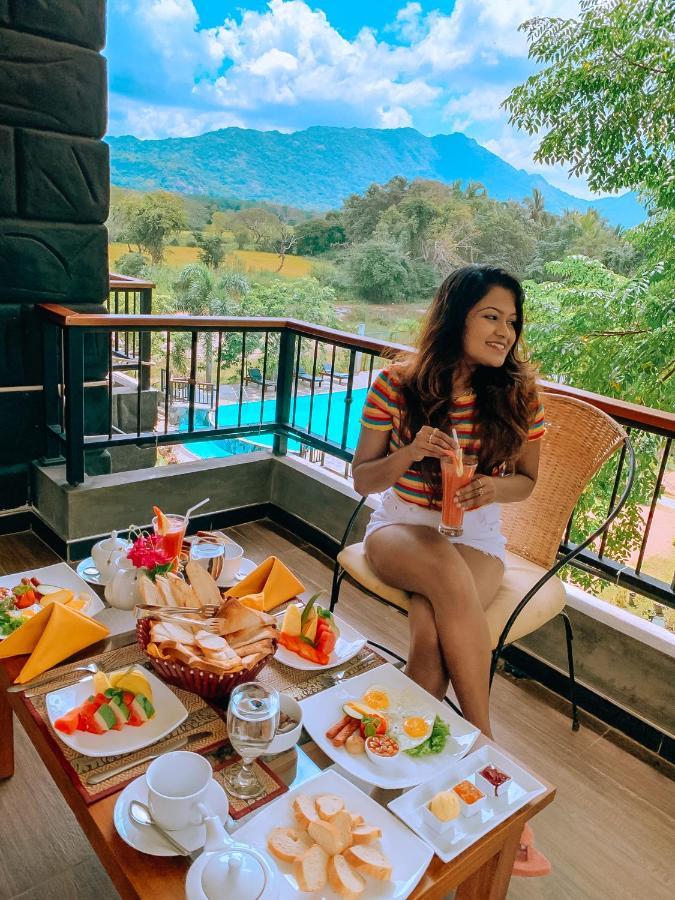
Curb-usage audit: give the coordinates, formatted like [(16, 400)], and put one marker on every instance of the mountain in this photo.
[(318, 168)]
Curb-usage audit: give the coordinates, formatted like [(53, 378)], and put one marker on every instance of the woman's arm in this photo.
[(486, 489), (374, 470)]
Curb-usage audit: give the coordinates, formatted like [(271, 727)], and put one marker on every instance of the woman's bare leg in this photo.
[(425, 665), (419, 560)]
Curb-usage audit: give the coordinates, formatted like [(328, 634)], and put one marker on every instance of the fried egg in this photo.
[(377, 698), (411, 724)]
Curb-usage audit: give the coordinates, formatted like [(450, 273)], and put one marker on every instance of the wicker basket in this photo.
[(206, 684)]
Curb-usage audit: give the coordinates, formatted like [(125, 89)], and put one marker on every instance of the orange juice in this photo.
[(172, 535), (455, 472)]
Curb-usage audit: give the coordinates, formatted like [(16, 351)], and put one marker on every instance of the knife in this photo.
[(176, 744)]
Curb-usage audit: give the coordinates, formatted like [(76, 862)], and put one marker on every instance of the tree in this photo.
[(134, 264), (379, 272), (285, 241), (318, 236), (211, 248), (361, 213), (606, 95), (151, 220)]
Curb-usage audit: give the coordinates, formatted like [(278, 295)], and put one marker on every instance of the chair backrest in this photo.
[(579, 439), (255, 374)]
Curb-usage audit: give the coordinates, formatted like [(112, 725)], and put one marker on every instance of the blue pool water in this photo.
[(250, 415)]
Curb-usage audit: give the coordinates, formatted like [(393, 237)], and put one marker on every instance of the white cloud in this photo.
[(148, 121)]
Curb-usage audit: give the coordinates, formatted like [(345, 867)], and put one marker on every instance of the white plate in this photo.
[(146, 839), (169, 713), (325, 709), (347, 646), (246, 566), (88, 572), (523, 788), (408, 855), (58, 575)]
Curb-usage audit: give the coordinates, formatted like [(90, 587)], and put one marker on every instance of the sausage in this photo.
[(341, 736), (334, 729)]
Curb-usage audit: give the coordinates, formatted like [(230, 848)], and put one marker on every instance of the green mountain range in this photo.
[(320, 167)]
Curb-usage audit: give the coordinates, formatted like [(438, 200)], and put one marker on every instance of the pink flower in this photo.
[(147, 552)]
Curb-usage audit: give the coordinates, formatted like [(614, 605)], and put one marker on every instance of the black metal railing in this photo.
[(287, 383)]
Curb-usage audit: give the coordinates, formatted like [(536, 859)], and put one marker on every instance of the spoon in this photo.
[(91, 667), (141, 815)]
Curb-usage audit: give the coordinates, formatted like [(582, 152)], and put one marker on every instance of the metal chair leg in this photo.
[(338, 574), (569, 636)]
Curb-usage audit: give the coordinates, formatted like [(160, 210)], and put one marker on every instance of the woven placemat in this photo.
[(201, 718), (273, 786), (300, 683)]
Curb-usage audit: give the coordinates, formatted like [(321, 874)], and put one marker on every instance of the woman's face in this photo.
[(490, 328)]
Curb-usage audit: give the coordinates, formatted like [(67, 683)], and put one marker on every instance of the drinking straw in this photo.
[(193, 508), (460, 461)]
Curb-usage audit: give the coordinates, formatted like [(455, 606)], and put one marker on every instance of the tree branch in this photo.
[(618, 333), (632, 62)]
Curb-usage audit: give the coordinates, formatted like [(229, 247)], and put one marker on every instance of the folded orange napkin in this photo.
[(267, 586), (51, 636)]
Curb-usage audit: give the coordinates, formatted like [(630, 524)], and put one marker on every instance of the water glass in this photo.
[(252, 720)]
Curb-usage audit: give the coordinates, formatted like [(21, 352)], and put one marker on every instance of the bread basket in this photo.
[(205, 684)]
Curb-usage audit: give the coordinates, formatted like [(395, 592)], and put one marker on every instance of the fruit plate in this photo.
[(169, 714), (58, 575), (325, 709), (347, 646), (408, 855), (522, 788)]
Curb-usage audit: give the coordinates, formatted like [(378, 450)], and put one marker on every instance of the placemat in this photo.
[(300, 683), (270, 781), (201, 717)]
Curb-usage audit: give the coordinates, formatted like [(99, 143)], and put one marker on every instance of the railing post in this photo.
[(51, 379), (74, 414), (284, 388), (145, 342)]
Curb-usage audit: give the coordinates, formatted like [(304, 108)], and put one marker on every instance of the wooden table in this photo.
[(482, 872)]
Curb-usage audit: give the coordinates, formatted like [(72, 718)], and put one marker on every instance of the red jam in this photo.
[(468, 792), (495, 777), (382, 745)]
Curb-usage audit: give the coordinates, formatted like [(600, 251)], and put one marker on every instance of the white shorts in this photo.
[(481, 526)]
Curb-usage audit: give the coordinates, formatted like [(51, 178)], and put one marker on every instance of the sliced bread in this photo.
[(329, 805), (332, 838), (311, 870), (365, 834), (305, 810), (343, 879), (288, 844), (370, 860)]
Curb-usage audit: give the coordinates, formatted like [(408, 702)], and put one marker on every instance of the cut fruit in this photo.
[(63, 595), (46, 589), (134, 682), (100, 683), (291, 621), (78, 603), (162, 521)]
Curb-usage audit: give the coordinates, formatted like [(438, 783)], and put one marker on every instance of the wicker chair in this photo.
[(579, 439)]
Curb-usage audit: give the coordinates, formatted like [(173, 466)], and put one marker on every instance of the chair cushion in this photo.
[(519, 576)]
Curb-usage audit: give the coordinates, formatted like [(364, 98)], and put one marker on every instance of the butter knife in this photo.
[(176, 744)]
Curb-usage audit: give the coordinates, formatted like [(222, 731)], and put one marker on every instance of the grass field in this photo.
[(242, 260)]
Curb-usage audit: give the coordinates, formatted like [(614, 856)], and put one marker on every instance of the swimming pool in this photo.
[(250, 415)]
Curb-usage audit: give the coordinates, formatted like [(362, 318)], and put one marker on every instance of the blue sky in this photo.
[(183, 67)]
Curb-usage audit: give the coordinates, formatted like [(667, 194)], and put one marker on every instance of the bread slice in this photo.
[(182, 591), (262, 647), (171, 631), (305, 810), (288, 844), (311, 870), (209, 642), (164, 589), (365, 834), (342, 821), (370, 860), (205, 588), (357, 819), (332, 838), (249, 635), (151, 596), (344, 879), (329, 805)]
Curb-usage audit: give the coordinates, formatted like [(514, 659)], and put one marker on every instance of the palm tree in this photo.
[(536, 205), (475, 189)]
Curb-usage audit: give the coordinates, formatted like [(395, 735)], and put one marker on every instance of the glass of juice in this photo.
[(456, 471), (172, 536)]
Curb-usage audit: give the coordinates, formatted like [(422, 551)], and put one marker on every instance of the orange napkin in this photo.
[(51, 636), (267, 586)]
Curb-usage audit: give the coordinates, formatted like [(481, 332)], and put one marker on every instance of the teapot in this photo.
[(123, 591), (227, 869), (107, 554)]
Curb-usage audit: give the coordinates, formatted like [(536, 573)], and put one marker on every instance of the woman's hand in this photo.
[(431, 442), (478, 492)]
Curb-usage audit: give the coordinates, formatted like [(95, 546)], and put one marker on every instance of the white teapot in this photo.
[(123, 590), (107, 555), (227, 869)]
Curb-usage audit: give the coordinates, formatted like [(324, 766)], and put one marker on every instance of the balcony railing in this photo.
[(288, 381)]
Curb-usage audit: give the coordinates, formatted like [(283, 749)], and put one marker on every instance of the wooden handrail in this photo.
[(127, 282), (68, 318)]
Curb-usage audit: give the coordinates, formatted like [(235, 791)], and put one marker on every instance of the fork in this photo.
[(91, 667), (340, 676), (213, 626), (207, 610)]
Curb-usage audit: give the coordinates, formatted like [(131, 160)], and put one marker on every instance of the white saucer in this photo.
[(145, 839), (245, 568), (87, 570)]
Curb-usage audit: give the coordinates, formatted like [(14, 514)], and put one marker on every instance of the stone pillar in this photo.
[(54, 199)]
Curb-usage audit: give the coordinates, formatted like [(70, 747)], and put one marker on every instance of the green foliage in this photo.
[(150, 221), (606, 95), (134, 264), (380, 273), (318, 236), (211, 249)]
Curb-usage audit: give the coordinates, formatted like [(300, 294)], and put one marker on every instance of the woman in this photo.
[(468, 374)]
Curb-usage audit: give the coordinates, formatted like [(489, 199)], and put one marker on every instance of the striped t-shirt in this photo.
[(382, 412)]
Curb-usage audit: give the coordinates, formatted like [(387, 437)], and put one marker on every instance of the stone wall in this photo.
[(54, 198)]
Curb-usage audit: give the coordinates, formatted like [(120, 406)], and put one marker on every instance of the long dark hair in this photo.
[(505, 395)]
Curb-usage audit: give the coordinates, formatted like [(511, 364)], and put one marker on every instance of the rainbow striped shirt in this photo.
[(382, 412)]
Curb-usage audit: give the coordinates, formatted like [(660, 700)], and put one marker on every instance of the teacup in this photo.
[(232, 556), (177, 783)]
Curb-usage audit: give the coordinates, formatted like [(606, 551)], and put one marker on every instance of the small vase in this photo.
[(123, 591)]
